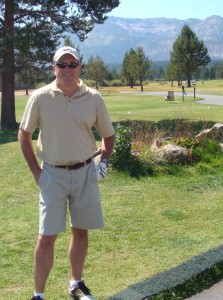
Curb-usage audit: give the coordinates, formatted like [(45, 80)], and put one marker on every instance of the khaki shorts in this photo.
[(78, 190)]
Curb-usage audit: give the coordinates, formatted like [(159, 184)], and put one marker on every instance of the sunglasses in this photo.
[(71, 65)]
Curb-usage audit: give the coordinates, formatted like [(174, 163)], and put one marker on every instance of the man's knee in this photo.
[(45, 241), (80, 234)]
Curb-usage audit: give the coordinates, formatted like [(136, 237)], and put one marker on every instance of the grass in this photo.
[(152, 224), (147, 108)]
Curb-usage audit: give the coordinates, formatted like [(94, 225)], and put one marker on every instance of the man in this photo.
[(65, 111)]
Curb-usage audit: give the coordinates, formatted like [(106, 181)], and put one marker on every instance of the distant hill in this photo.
[(112, 39)]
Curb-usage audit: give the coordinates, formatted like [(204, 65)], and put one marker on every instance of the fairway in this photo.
[(129, 104)]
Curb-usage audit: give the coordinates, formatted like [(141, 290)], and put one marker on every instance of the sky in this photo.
[(181, 10)]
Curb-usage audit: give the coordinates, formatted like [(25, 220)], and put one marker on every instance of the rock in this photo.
[(169, 152), (175, 154), (158, 143), (214, 133)]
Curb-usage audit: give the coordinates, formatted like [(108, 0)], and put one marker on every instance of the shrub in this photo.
[(104, 83), (206, 150), (122, 149), (116, 82), (90, 82), (186, 142), (40, 84), (132, 152), (122, 158)]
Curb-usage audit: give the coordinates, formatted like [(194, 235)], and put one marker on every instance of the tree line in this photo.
[(189, 59)]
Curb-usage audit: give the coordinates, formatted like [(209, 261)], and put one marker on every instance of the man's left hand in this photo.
[(101, 170)]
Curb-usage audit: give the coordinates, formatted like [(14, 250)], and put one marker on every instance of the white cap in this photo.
[(66, 50)]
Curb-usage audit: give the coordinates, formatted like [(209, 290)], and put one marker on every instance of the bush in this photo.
[(122, 150), (132, 152), (122, 158), (90, 82), (186, 142), (40, 84), (206, 150), (116, 82), (105, 83)]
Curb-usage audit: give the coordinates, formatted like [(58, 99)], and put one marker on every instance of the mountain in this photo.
[(112, 39)]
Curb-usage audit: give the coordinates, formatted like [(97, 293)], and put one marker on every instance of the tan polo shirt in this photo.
[(66, 123)]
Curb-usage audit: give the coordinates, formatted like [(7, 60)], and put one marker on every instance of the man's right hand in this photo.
[(37, 175)]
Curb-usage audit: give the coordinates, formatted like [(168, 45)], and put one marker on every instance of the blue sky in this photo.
[(182, 10)]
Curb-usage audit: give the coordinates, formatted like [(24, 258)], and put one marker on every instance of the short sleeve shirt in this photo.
[(65, 123)]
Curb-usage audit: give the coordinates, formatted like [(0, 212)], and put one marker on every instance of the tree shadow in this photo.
[(11, 135)]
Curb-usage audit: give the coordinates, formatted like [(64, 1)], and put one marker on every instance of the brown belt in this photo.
[(76, 166)]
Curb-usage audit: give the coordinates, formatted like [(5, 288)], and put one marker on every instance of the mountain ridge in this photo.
[(117, 35)]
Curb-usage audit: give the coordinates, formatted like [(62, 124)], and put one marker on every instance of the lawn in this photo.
[(152, 224), (138, 106)]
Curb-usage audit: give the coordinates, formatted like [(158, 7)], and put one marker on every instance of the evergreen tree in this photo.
[(128, 71), (96, 70), (34, 29), (173, 72), (188, 53), (135, 66), (142, 66)]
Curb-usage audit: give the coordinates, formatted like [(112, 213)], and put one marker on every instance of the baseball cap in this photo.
[(66, 50)]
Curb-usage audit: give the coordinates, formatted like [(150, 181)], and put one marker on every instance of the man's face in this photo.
[(67, 77)]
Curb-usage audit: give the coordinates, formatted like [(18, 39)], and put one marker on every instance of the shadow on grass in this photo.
[(11, 135)]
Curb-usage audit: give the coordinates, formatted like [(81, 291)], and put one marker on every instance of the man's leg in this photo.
[(77, 252), (43, 260)]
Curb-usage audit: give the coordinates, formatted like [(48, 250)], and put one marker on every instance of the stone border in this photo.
[(172, 278)]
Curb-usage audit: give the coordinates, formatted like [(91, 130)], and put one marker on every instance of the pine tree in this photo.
[(142, 66), (188, 53), (128, 71), (96, 70)]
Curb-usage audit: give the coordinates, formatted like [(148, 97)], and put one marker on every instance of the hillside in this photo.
[(117, 35)]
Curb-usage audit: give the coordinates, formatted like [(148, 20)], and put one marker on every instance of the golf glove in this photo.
[(101, 170)]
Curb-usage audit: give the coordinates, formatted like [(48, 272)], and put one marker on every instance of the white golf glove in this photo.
[(101, 170)]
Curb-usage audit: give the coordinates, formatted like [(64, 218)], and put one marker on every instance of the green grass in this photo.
[(152, 224), (20, 102), (155, 109)]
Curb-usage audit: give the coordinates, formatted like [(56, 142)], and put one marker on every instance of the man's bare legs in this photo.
[(44, 257), (77, 252), (43, 260)]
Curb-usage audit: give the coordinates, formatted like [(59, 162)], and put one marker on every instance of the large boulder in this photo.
[(175, 154), (169, 152), (214, 133)]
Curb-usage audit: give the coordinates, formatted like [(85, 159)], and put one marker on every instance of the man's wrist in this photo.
[(106, 161)]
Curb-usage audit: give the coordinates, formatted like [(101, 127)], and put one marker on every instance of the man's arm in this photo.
[(107, 145), (25, 141)]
